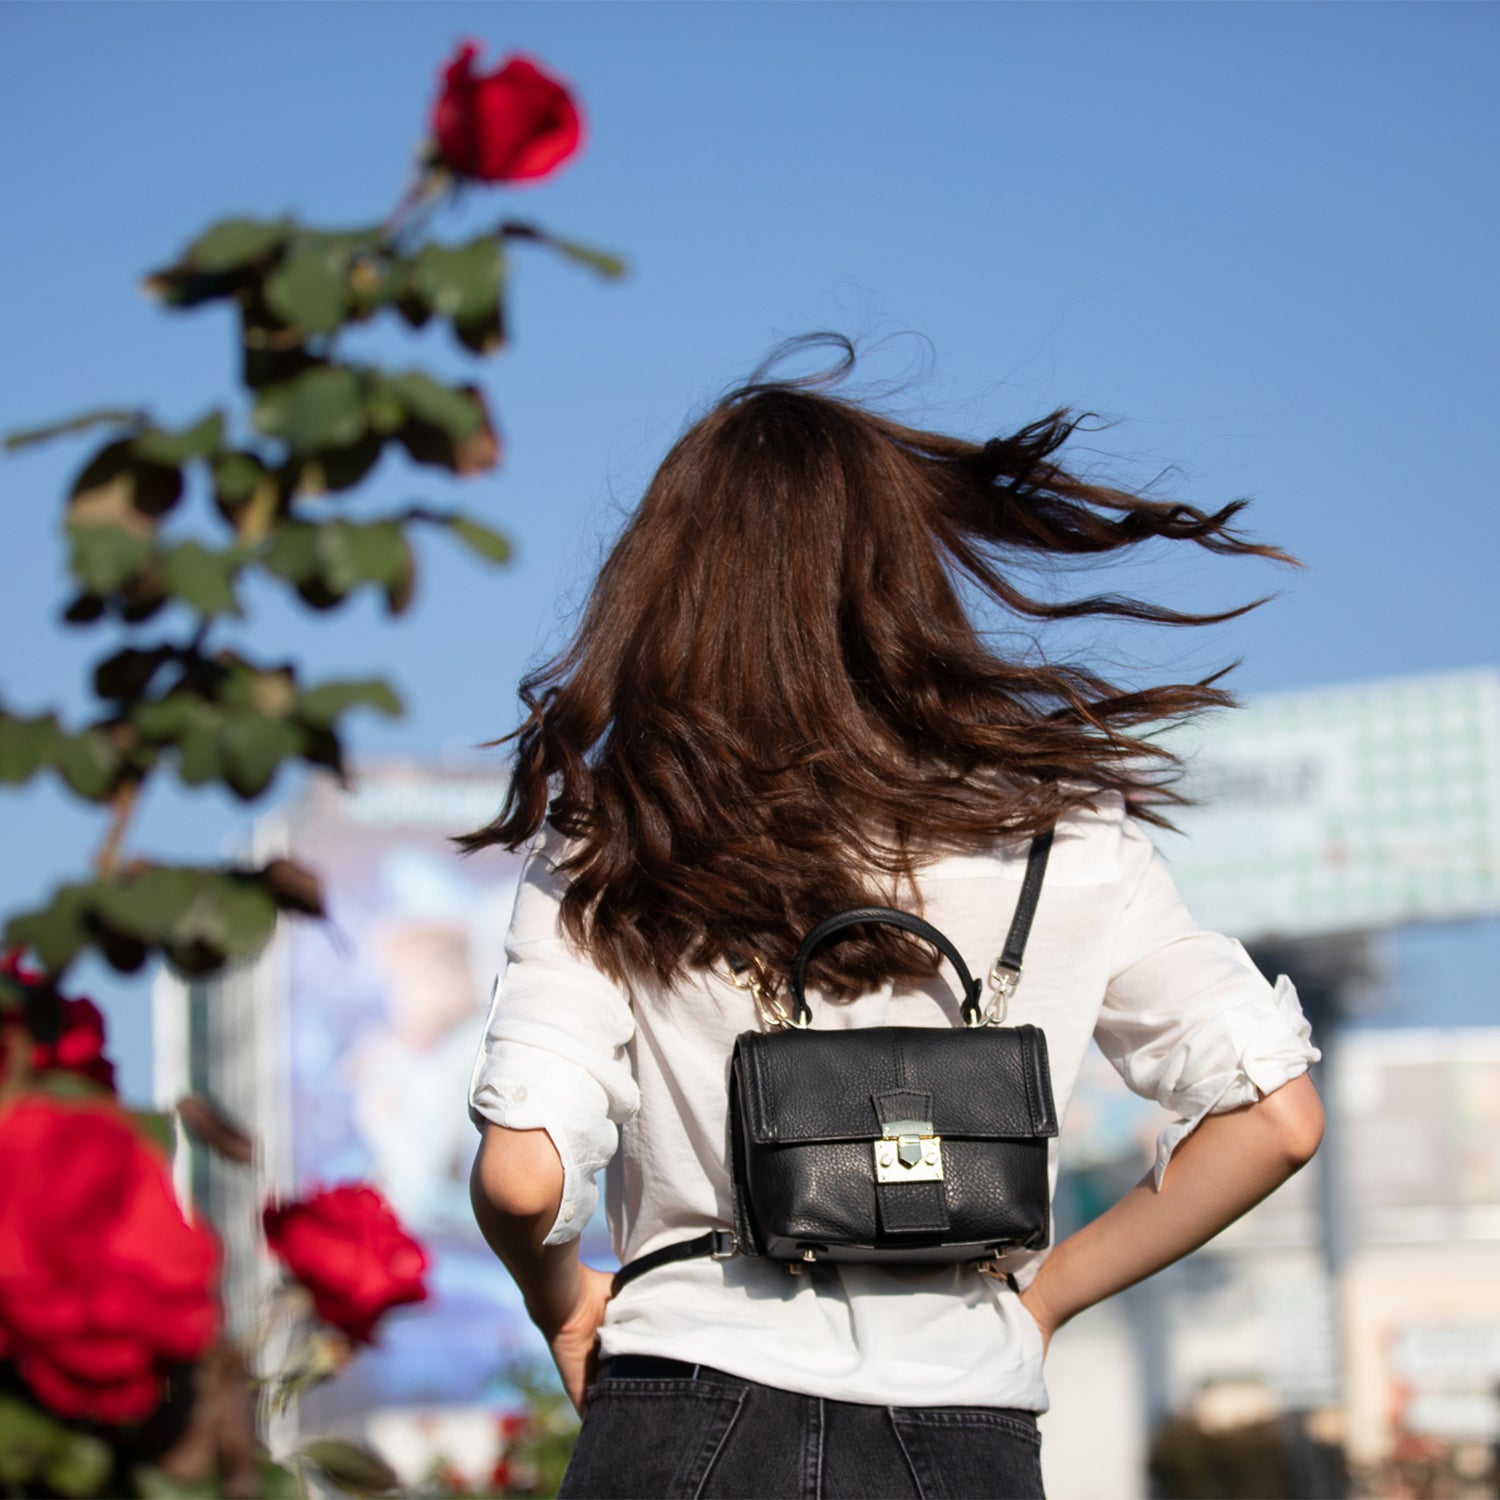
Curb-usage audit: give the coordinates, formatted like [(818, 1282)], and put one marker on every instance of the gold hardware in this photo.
[(809, 1255), (773, 1012), (909, 1152)]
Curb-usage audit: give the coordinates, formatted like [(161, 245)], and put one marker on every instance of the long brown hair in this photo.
[(777, 705)]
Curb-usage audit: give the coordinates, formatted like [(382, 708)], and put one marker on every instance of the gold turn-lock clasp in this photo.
[(909, 1151)]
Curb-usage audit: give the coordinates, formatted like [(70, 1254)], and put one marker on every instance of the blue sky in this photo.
[(1261, 237)]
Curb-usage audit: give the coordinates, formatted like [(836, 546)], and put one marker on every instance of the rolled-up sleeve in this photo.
[(1188, 1020), (555, 1052)]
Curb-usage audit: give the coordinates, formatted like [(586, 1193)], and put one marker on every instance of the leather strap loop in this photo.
[(887, 916)]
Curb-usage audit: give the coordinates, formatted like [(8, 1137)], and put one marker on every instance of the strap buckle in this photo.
[(725, 1245)]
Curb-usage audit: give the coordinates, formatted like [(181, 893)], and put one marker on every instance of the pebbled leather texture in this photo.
[(986, 1081), (804, 1110)]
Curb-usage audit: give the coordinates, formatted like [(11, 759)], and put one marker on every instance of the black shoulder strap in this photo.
[(1031, 890)]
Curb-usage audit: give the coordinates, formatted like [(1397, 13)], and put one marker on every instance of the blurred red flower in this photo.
[(79, 1047), (102, 1279), (347, 1247), (507, 126)]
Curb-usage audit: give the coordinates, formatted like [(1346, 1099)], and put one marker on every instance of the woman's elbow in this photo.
[(1296, 1113), (517, 1174)]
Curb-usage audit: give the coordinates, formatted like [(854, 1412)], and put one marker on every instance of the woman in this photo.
[(778, 705)]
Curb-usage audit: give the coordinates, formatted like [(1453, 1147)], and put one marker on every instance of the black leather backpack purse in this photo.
[(891, 1145)]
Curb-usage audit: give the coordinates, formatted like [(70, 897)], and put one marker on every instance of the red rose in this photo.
[(513, 124), (79, 1047), (102, 1280), (347, 1247)]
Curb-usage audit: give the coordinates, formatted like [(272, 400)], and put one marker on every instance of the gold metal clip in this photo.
[(909, 1152), (754, 979)]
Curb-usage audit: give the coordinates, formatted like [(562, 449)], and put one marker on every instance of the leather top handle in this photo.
[(889, 917)]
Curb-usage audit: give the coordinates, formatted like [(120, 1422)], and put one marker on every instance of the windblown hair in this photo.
[(777, 705)]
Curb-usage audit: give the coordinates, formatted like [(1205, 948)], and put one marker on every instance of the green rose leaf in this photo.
[(321, 747), (158, 1127), (247, 911), (203, 580), (80, 1465), (321, 408), (480, 539), (343, 468), (483, 333), (233, 243), (174, 447), (152, 1484), (102, 558), (169, 719), (384, 409), (438, 442), (325, 704), (118, 487), (179, 286), (377, 552), (271, 692), (236, 478), (57, 931), (349, 1467), (454, 409), (89, 763), (28, 1439), (409, 302), (347, 242), (292, 552), (147, 904), (310, 288), (128, 673), (113, 415), (252, 749), (26, 745), (199, 755), (279, 1483), (83, 609), (458, 281), (602, 261)]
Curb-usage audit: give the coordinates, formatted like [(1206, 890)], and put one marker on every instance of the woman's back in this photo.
[(1112, 952)]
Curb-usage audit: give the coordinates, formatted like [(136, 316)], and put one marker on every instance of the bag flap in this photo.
[(985, 1083)]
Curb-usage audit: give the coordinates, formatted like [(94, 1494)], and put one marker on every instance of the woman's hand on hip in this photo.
[(1031, 1305), (575, 1344)]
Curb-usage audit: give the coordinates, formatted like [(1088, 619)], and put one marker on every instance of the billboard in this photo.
[(1343, 809), (384, 1008)]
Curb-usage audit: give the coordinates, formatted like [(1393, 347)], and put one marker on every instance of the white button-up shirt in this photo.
[(635, 1083)]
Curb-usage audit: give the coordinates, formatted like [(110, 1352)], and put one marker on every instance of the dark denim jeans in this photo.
[(659, 1429)]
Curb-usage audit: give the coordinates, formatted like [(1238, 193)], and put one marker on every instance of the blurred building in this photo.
[(1244, 1331)]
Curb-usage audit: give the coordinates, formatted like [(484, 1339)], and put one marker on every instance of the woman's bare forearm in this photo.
[(1224, 1168), (516, 1188)]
